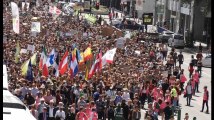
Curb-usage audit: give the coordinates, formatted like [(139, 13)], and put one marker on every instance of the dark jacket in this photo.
[(134, 115), (41, 116)]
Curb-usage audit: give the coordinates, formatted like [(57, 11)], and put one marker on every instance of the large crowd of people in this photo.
[(142, 73)]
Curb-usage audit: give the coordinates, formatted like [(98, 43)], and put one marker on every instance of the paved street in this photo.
[(196, 103)]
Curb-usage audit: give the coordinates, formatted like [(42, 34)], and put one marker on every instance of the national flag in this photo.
[(81, 61), (24, 67), (63, 65), (17, 52), (108, 56), (54, 10), (51, 58), (88, 54), (73, 66), (94, 67), (29, 75), (43, 58), (78, 56), (86, 70), (33, 59), (56, 66), (45, 70)]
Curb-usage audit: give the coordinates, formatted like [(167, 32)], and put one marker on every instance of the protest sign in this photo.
[(35, 27), (31, 48), (120, 42), (23, 51)]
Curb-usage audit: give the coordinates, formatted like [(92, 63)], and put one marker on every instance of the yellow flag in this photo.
[(86, 73), (24, 67), (17, 52), (33, 59)]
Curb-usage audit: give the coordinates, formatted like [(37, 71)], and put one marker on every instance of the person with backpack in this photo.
[(118, 112), (180, 59), (167, 111), (205, 99)]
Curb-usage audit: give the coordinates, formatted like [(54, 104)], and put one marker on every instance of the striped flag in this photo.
[(63, 65), (43, 58)]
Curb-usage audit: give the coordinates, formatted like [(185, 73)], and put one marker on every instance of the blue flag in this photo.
[(29, 75)]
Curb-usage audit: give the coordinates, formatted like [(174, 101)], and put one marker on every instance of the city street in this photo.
[(196, 102)]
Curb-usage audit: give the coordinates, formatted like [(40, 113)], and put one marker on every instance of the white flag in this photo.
[(108, 56), (15, 17)]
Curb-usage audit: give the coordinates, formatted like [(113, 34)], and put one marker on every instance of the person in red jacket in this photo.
[(205, 99), (191, 69)]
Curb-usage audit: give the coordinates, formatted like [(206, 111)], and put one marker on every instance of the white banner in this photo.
[(35, 27), (139, 5), (15, 17)]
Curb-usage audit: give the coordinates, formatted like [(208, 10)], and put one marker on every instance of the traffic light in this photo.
[(97, 6)]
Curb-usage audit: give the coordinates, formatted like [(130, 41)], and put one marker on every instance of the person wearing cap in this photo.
[(205, 99), (51, 110), (44, 114), (60, 114)]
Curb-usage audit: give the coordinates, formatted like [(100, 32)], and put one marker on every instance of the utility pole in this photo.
[(155, 13)]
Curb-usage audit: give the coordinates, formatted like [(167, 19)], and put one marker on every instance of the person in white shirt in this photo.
[(60, 114), (126, 95), (51, 110)]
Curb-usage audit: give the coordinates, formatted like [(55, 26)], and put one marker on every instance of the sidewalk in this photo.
[(194, 50)]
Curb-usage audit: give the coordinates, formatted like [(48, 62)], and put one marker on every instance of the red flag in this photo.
[(63, 65), (45, 70)]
